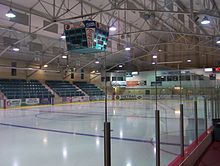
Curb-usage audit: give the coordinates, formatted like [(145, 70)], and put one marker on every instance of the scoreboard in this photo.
[(216, 69), (86, 37)]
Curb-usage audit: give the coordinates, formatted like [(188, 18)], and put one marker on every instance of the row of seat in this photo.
[(89, 89), (64, 88), (20, 88)]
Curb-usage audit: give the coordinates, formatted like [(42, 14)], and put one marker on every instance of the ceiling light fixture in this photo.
[(189, 60), (120, 66), (64, 56), (127, 48), (112, 28), (16, 49), (45, 66), (97, 62), (63, 36), (10, 14), (205, 21), (218, 41), (154, 56)]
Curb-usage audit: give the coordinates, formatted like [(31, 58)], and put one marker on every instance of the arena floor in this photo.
[(72, 134)]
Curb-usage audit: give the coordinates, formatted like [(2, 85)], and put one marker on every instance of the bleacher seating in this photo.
[(64, 88), (89, 89), (20, 88)]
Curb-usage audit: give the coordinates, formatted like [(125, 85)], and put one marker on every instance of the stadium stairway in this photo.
[(80, 89), (57, 98), (64, 88), (89, 89)]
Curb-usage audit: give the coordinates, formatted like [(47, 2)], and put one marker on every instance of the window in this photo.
[(147, 92), (188, 78), (13, 70), (183, 78), (113, 78), (158, 78), (107, 79), (120, 79), (82, 76), (169, 78), (72, 75), (175, 78), (163, 78)]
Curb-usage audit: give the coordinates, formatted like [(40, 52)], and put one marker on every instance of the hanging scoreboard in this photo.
[(86, 37)]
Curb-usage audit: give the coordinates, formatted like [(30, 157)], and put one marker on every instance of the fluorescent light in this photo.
[(45, 66), (153, 63), (155, 57), (218, 41), (97, 62), (64, 56), (120, 66), (15, 49), (205, 21), (63, 36), (177, 88), (127, 49), (208, 69), (112, 28), (10, 14), (189, 60), (134, 73), (177, 112)]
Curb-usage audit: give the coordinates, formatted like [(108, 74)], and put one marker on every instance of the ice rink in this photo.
[(72, 135)]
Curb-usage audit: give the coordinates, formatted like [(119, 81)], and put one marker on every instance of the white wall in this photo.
[(39, 75)]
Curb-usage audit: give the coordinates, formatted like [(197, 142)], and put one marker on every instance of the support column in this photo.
[(157, 123), (196, 119), (181, 130), (107, 143), (205, 114)]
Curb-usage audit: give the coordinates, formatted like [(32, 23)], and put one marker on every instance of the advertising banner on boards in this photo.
[(45, 101), (67, 99), (30, 101), (80, 98), (13, 103)]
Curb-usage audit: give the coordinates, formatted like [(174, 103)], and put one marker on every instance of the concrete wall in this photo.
[(38, 75)]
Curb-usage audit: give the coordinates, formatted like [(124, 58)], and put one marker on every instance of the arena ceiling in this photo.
[(170, 29)]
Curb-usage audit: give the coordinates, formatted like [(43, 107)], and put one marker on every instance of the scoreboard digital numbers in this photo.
[(216, 69), (86, 37)]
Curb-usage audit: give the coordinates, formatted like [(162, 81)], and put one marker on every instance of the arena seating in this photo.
[(89, 89), (20, 88), (64, 88)]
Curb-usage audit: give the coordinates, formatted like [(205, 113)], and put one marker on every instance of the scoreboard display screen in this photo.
[(216, 69), (86, 37)]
